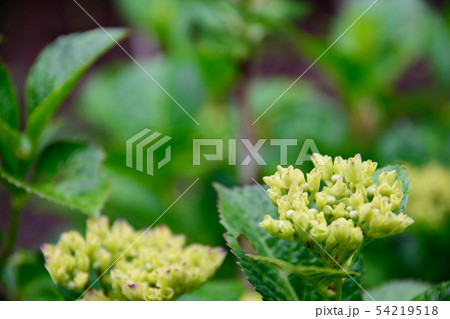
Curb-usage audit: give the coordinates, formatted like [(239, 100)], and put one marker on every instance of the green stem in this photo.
[(3, 294), (18, 200), (338, 286)]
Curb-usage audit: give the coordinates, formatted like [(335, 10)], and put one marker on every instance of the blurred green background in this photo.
[(382, 90)]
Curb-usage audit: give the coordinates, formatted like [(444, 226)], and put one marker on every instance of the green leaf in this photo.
[(393, 46), (241, 209), (10, 142), (303, 111), (352, 288), (319, 277), (106, 92), (66, 294), (402, 175), (9, 109), (440, 292), (217, 290), (58, 68), (25, 277), (9, 121), (398, 290), (68, 173)]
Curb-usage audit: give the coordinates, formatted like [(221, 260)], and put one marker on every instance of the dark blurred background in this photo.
[(382, 91)]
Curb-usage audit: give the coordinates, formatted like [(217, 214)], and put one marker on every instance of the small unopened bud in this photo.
[(335, 178), (313, 179), (331, 200)]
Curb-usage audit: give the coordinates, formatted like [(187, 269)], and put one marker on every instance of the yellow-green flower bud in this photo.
[(321, 200), (429, 200), (369, 169), (67, 262), (382, 225), (325, 164), (313, 180), (282, 229), (348, 208), (273, 181), (395, 200), (274, 194), (339, 166), (154, 265), (284, 204), (356, 238), (156, 294), (339, 211), (95, 295), (354, 170), (299, 201), (134, 291), (339, 188), (79, 281), (357, 199), (344, 233), (320, 229), (387, 177), (289, 176)]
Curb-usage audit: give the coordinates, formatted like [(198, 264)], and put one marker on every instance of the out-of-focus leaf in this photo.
[(131, 195), (66, 294), (241, 209), (216, 35), (384, 41), (40, 289), (319, 277), (58, 68), (217, 290), (440, 292), (72, 173), (414, 142), (397, 290), (26, 278), (402, 175), (121, 100), (9, 121), (10, 142), (9, 109), (301, 113), (439, 48), (352, 287), (227, 26), (68, 174)]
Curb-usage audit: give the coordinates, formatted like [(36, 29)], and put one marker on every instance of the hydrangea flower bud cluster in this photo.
[(335, 207), (155, 265), (429, 200)]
